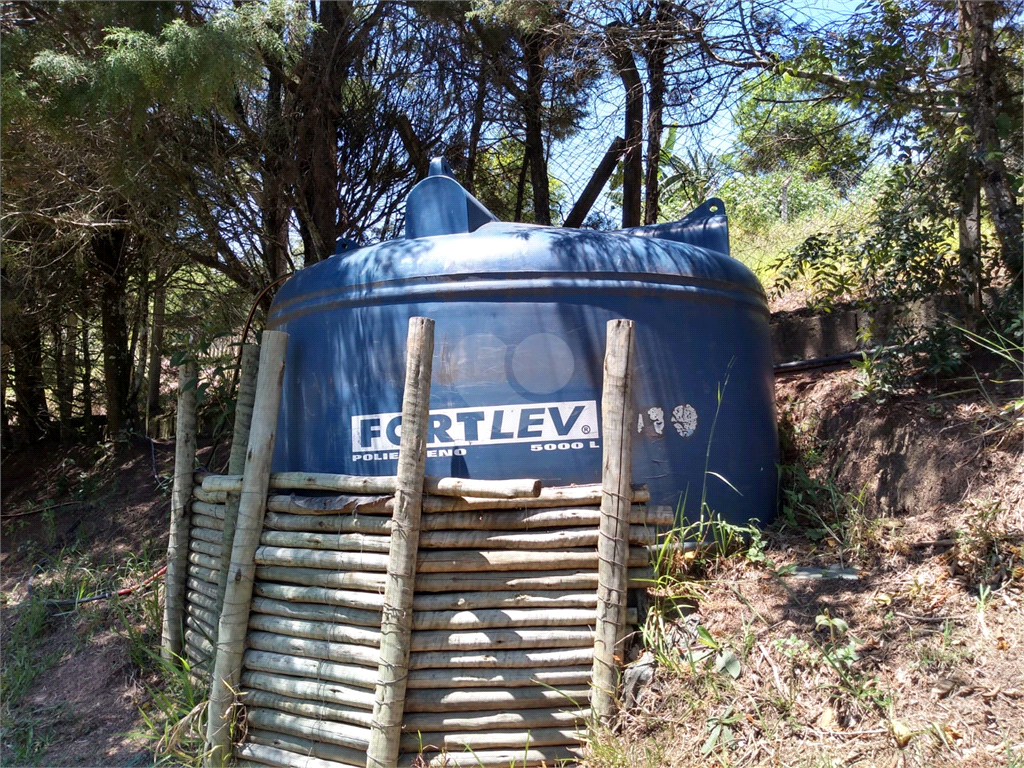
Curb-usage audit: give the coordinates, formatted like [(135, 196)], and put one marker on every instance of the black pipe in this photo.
[(821, 362)]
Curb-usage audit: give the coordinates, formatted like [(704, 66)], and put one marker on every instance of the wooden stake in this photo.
[(244, 403), (396, 626), (177, 543), (241, 571), (613, 544)]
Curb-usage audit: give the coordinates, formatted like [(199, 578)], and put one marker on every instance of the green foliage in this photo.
[(783, 124)]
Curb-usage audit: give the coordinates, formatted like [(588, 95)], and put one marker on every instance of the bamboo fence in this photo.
[(412, 620)]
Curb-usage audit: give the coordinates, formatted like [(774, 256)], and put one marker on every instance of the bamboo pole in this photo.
[(366, 601), (474, 740), (539, 519), (396, 625), (338, 542), (198, 598), (204, 547), (307, 747), (198, 585), (501, 639), (177, 543), (310, 558), (499, 721), (209, 562), (328, 523), (613, 545), (244, 403), (554, 677), (336, 701), (487, 699), (314, 577), (358, 671), (234, 615), (537, 658), (317, 612), (209, 535)]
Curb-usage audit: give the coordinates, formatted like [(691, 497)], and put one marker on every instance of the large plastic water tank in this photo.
[(520, 313)]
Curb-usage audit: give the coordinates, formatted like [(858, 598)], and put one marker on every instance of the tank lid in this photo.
[(705, 226), (439, 205)]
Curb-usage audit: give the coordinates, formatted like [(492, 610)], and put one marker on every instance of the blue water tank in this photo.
[(520, 313)]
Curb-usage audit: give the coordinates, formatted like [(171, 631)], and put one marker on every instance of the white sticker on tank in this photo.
[(684, 419), (657, 417), (639, 423)]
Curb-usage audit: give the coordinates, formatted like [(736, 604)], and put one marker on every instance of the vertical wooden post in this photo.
[(234, 618), (396, 623), (616, 497), (249, 369), (177, 543)]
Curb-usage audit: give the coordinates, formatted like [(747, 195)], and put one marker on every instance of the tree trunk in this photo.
[(274, 204), (977, 21), (476, 127), (66, 379), (521, 186), (632, 162), (140, 342), (29, 392), (533, 118), (86, 379), (654, 57), (109, 251), (156, 343)]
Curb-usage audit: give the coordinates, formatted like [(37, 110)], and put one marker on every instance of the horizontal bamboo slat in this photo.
[(520, 580), (203, 601), (555, 677), (279, 521), (474, 740), (306, 747), (489, 561), (322, 595), (539, 519), (215, 511), (308, 481), (207, 575), (205, 588), (204, 547), (199, 642), (487, 699), (492, 758), (279, 758), (444, 722), (471, 601), (302, 651), (342, 734), (352, 672), (521, 658), (487, 618), (313, 577), (314, 630), (498, 639), (204, 561), (308, 558), (337, 701), (314, 612), (338, 542), (498, 539), (483, 489), (211, 536), (201, 628), (207, 522), (208, 617), (210, 497), (567, 496), (337, 505)]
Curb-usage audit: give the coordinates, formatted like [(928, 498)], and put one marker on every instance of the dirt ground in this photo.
[(908, 651)]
